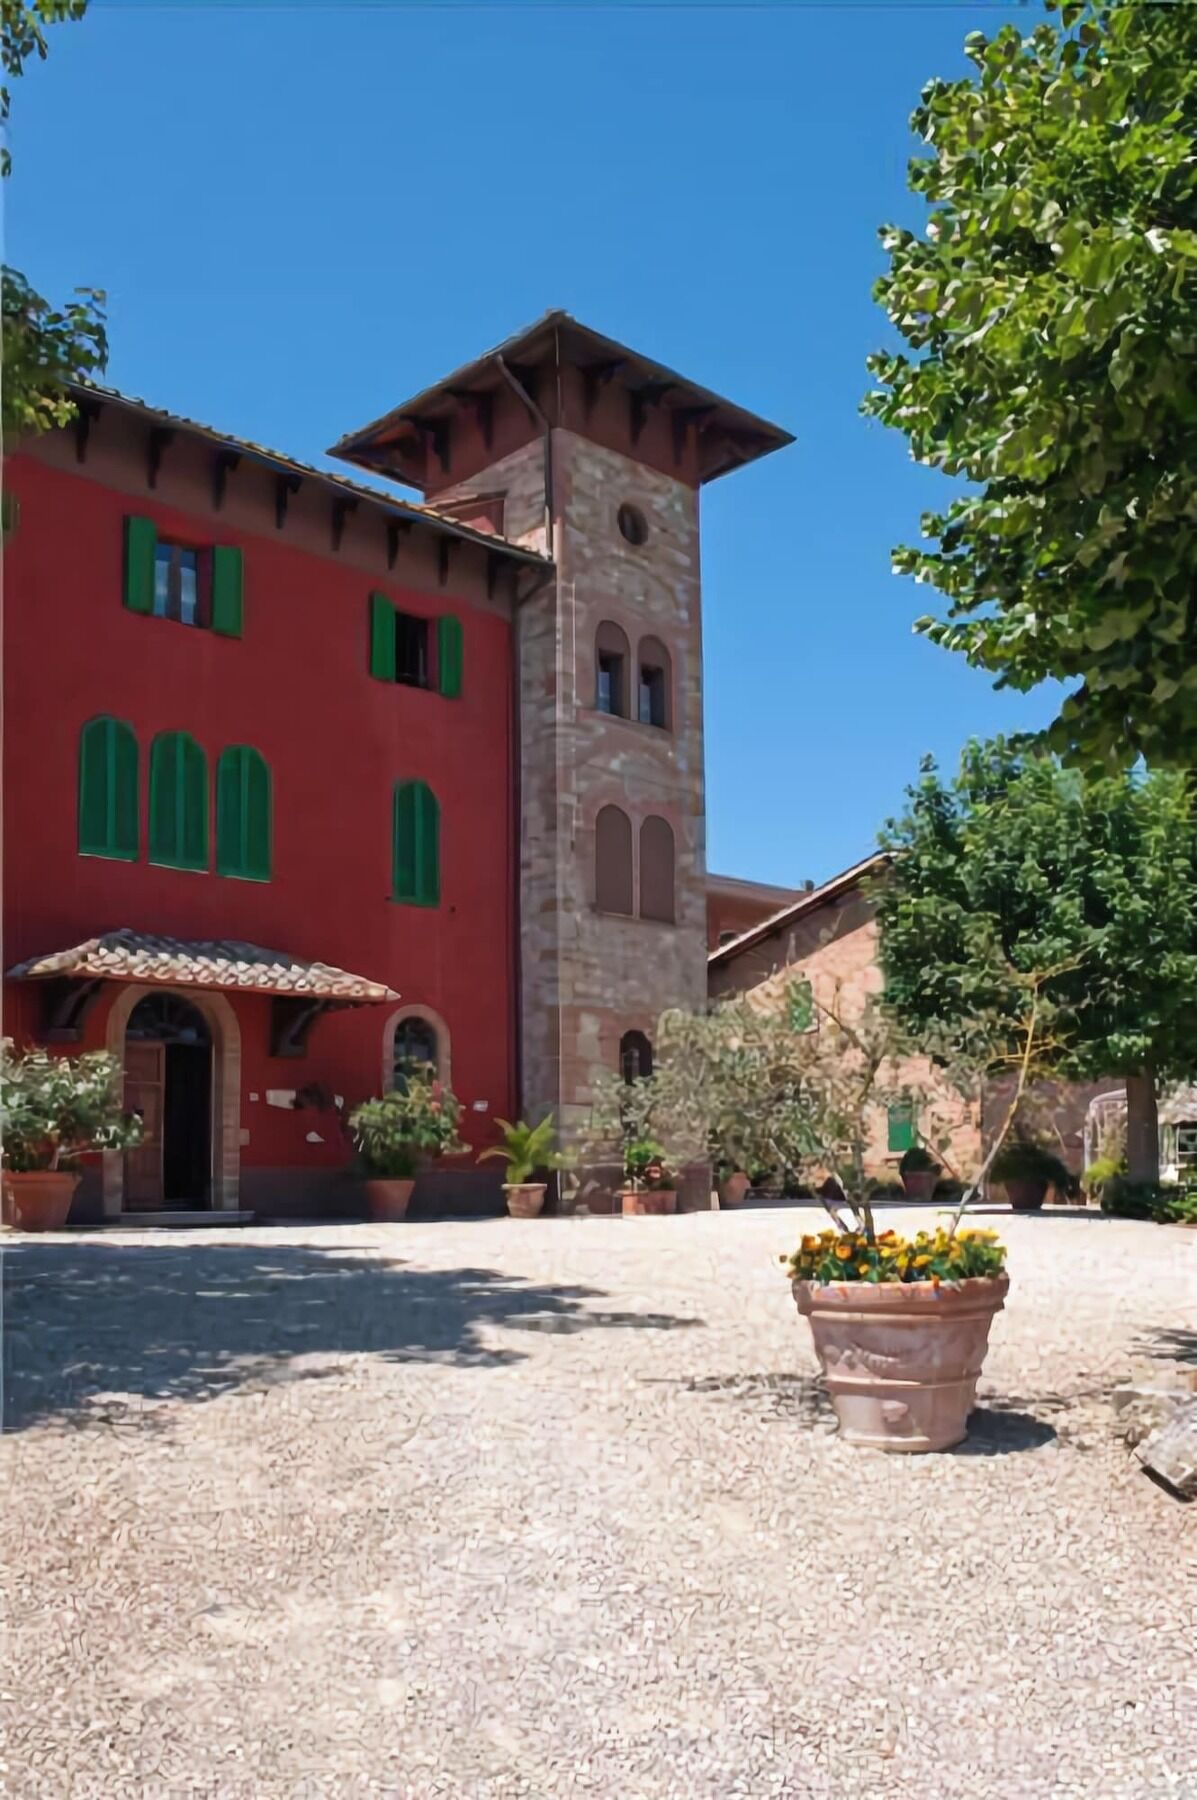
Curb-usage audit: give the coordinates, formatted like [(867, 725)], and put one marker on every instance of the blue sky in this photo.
[(303, 214)]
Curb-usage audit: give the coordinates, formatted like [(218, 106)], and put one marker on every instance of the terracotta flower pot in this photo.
[(901, 1359), (387, 1201), (1025, 1196), (39, 1200), (639, 1201), (525, 1198), (733, 1191), (919, 1184)]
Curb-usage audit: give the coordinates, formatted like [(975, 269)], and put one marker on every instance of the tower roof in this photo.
[(728, 436)]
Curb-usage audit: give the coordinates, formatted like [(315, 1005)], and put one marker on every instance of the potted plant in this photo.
[(1026, 1170), (649, 1184), (900, 1327), (398, 1133), (919, 1172), (55, 1110), (733, 1184), (525, 1149)]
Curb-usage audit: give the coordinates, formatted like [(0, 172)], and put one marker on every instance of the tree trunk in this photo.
[(1142, 1128)]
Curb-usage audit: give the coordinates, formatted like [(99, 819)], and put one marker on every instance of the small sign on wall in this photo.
[(284, 1097)]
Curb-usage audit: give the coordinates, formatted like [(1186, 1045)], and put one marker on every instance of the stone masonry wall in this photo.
[(835, 949)]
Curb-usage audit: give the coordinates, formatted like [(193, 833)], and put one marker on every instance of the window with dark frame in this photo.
[(411, 650), (179, 590), (415, 1042), (610, 682), (652, 696)]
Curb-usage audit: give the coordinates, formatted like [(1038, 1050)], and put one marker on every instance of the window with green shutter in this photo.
[(800, 1006), (178, 802), (415, 845), (108, 799), (190, 585), (141, 550), (449, 656), (243, 814), (902, 1135), (382, 638)]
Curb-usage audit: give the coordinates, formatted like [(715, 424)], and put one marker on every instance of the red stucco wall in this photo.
[(296, 687)]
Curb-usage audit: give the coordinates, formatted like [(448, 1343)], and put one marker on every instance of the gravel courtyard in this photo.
[(553, 1508)]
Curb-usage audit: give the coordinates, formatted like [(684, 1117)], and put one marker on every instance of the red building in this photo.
[(301, 775)]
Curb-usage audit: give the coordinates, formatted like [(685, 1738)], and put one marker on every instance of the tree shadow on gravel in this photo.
[(92, 1329), (1168, 1345)]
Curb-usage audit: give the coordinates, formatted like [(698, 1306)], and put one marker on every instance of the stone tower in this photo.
[(563, 440)]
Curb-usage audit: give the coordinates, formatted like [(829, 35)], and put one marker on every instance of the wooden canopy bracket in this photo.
[(528, 377), (223, 465), (482, 405), (65, 1002), (443, 552), (436, 433), (342, 506), (284, 487), (494, 564), (86, 414), (640, 399), (160, 439), (291, 1019), (681, 420), (396, 529), (594, 379)]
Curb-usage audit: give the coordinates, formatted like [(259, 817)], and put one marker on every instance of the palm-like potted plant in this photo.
[(526, 1149), (397, 1134), (919, 1172), (1026, 1170), (55, 1110)]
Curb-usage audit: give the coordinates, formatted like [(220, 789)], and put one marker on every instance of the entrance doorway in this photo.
[(168, 1083)]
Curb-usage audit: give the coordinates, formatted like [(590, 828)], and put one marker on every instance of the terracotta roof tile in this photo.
[(223, 963)]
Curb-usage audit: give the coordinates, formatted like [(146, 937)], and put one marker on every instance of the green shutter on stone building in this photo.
[(415, 845), (449, 656), (178, 802), (243, 814), (227, 591), (108, 796), (141, 543), (382, 638)]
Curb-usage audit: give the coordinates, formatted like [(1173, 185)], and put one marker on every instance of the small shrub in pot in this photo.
[(55, 1110), (919, 1172), (1026, 1170), (397, 1133)]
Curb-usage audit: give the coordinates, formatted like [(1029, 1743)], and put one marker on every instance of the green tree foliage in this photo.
[(1022, 866), (1051, 317), (45, 347)]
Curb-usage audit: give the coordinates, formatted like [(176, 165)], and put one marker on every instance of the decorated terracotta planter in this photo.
[(919, 1184), (901, 1359), (39, 1200), (387, 1201), (640, 1201), (734, 1191), (1025, 1196), (524, 1198)]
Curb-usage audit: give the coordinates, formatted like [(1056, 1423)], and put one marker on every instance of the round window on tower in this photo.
[(632, 524)]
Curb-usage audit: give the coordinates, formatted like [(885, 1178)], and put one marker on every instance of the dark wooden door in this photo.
[(145, 1085)]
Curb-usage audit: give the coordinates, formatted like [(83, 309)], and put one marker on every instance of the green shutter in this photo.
[(449, 656), (901, 1127), (382, 638), (800, 1005), (243, 814), (141, 541), (415, 876), (226, 591), (108, 790), (178, 802)]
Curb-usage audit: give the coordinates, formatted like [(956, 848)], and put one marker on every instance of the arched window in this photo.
[(415, 1042), (613, 861), (654, 704), (178, 802), (656, 870), (611, 660), (108, 823), (635, 1056), (243, 814), (415, 1034), (415, 845)]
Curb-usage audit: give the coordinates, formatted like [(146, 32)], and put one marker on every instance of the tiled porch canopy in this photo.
[(221, 963)]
